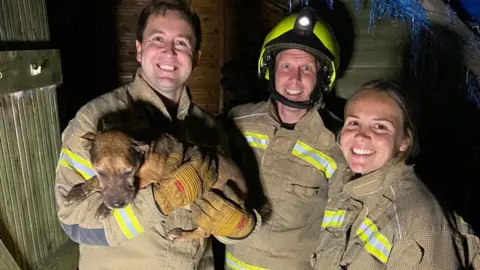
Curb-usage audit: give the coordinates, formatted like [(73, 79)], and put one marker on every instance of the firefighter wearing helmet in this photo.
[(303, 31), (296, 154)]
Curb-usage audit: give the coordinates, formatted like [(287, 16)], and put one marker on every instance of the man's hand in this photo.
[(184, 183), (220, 216), (206, 168), (179, 189)]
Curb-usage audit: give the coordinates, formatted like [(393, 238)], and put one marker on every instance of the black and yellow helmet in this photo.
[(303, 31)]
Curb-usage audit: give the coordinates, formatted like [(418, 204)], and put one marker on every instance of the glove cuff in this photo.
[(227, 240), (236, 225), (255, 222), (157, 205)]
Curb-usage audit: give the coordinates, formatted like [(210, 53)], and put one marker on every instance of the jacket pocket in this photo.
[(298, 206), (330, 248)]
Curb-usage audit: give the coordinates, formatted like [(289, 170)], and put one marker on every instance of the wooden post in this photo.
[(29, 150), (29, 136), (23, 21)]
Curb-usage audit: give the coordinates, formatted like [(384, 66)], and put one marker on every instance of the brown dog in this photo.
[(118, 161)]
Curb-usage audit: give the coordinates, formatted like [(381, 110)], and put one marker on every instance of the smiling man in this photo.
[(297, 154), (167, 48), (134, 237)]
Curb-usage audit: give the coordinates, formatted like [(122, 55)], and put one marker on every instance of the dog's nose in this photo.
[(118, 203)]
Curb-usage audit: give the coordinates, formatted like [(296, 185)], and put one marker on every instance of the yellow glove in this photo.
[(181, 188), (206, 167), (219, 216), (184, 184)]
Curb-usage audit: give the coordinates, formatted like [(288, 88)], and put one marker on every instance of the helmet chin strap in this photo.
[(307, 105)]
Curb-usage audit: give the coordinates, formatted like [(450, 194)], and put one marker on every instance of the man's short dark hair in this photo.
[(160, 7)]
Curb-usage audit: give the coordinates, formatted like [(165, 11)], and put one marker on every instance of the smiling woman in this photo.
[(378, 127), (379, 214)]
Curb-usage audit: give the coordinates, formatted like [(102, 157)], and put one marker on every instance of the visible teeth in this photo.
[(293, 91), (167, 67), (361, 151)]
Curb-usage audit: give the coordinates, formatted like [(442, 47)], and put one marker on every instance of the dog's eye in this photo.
[(127, 172), (101, 173)]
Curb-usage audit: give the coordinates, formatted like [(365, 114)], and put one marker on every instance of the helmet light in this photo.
[(305, 21)]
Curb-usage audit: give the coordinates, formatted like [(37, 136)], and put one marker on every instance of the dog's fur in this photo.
[(118, 160)]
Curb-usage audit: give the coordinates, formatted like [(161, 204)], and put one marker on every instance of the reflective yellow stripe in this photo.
[(236, 264), (122, 225), (66, 164), (256, 139), (127, 221), (76, 163), (375, 242), (125, 217), (333, 218), (313, 156)]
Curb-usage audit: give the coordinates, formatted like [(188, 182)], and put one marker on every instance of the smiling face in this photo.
[(373, 132), (167, 53), (295, 74)]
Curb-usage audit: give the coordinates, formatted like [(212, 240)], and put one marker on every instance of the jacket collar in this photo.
[(369, 187), (141, 90), (311, 121)]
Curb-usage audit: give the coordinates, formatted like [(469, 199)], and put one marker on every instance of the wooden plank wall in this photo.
[(127, 15), (205, 80)]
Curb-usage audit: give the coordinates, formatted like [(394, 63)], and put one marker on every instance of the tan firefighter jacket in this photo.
[(295, 169), (389, 220), (132, 237)]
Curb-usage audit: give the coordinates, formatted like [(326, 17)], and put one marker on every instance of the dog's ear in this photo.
[(88, 140), (89, 136), (141, 147)]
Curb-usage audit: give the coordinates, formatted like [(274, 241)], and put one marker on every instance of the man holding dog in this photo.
[(134, 237)]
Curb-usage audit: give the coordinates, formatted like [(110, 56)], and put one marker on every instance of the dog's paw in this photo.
[(175, 234), (179, 235), (102, 212), (77, 193)]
